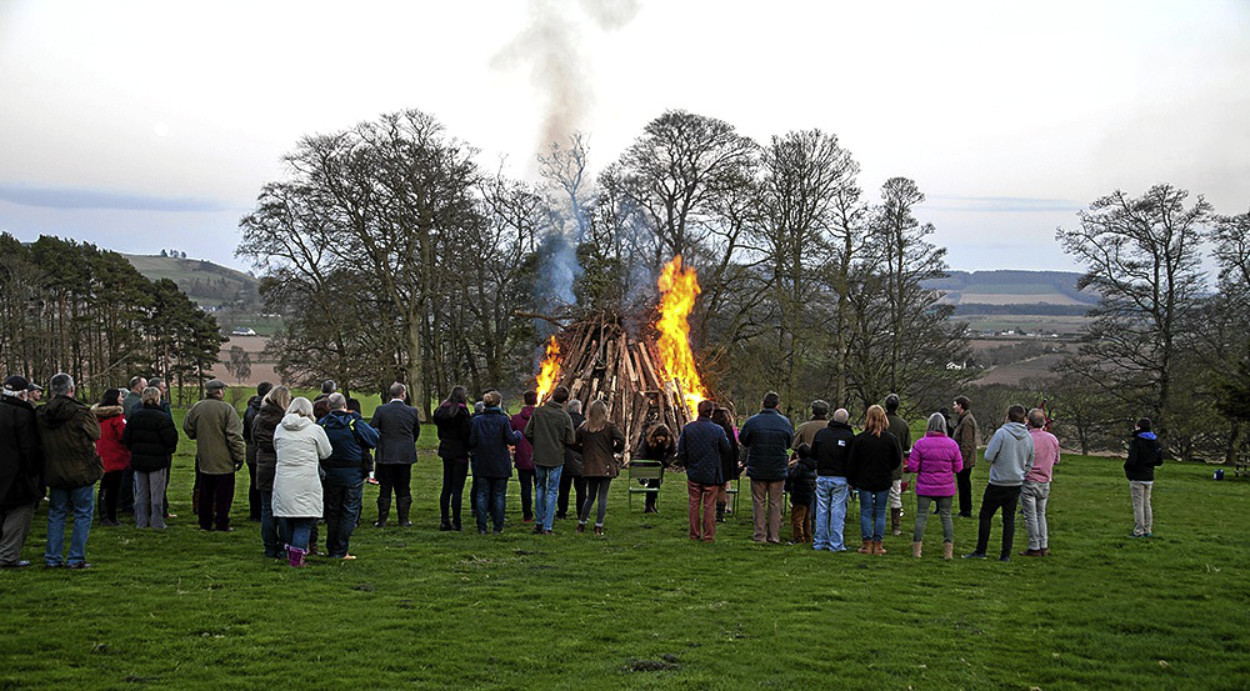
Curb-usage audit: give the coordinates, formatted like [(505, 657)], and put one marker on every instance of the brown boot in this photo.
[(866, 548), (948, 550), (896, 521), (877, 549), (915, 549)]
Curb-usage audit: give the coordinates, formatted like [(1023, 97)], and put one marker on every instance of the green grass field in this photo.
[(643, 606)]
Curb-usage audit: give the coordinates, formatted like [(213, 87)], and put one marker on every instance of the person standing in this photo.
[(902, 432), (967, 436), (67, 433), (489, 439), (21, 468), (131, 403), (729, 465), (658, 445), (523, 458), (832, 448), (1010, 455), (1144, 455), (1035, 493), (550, 431), (806, 432), (452, 419), (298, 498), (875, 454), (159, 384), (152, 439), (571, 475), (701, 447), (219, 453), (399, 426), (935, 459), (801, 478), (345, 471), (249, 416), (34, 393), (113, 453), (599, 440), (264, 426), (767, 436)]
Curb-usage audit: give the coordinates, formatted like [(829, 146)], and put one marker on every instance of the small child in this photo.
[(1144, 455), (801, 484)]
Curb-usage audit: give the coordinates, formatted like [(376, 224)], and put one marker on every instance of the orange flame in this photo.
[(550, 372), (678, 290)]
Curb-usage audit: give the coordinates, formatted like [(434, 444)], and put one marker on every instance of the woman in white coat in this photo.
[(300, 444)]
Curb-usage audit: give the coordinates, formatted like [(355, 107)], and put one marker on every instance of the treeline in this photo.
[(393, 254), (972, 309), (71, 307)]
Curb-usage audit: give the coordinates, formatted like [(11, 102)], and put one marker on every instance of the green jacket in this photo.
[(218, 434), (68, 432), (902, 432), (966, 436), (550, 430)]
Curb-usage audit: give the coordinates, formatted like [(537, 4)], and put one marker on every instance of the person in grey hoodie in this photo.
[(1010, 455)]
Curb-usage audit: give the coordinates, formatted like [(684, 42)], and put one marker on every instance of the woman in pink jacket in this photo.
[(936, 459)]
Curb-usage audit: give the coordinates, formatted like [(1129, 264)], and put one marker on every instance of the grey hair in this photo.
[(841, 415), (1037, 418), (61, 384), (337, 401), (300, 406), (397, 390), (575, 406), (937, 423)]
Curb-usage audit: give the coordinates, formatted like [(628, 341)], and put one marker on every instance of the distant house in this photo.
[(951, 366), (243, 331)]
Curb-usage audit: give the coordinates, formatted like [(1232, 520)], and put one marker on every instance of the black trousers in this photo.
[(110, 490), (578, 484), (455, 472), (964, 479), (253, 494), (216, 497), (998, 497), (394, 477), (528, 479)]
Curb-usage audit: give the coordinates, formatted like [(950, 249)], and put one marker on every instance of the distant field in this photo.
[(1033, 368), (1018, 298), (1031, 323)]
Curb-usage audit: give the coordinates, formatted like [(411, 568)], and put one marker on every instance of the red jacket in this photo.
[(110, 447), (524, 452)]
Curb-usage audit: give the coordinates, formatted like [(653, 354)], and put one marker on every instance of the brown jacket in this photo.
[(68, 432), (599, 449), (218, 433), (967, 437)]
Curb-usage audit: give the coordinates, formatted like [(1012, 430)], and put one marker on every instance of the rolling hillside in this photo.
[(208, 284), (1014, 288)]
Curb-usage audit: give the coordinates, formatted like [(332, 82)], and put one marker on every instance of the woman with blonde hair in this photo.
[(299, 444), (264, 424), (875, 453), (599, 441)]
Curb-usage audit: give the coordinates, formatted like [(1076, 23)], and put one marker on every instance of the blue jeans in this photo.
[(831, 495), (492, 494), (298, 531), (269, 536), (60, 501), (872, 513), (548, 480), (343, 488)]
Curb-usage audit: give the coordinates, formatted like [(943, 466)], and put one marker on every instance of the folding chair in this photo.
[(644, 470)]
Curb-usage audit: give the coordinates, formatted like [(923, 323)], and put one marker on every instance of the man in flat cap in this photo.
[(220, 451), (21, 470)]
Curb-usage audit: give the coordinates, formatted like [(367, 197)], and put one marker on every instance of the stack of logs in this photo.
[(599, 360)]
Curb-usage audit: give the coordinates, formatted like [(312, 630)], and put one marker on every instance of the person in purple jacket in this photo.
[(523, 457), (935, 458), (1035, 493)]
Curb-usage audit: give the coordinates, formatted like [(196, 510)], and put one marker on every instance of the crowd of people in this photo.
[(308, 462)]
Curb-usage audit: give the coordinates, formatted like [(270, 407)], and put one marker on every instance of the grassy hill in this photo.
[(1010, 287), (208, 284)]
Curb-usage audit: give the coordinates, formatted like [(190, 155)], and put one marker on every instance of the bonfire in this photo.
[(644, 380)]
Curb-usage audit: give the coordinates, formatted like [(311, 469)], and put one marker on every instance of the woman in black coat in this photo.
[(730, 468), (875, 453), (452, 419), (152, 439), (272, 409)]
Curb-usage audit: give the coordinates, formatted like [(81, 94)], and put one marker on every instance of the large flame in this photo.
[(550, 372), (678, 289)]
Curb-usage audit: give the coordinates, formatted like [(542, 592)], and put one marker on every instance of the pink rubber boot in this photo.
[(295, 556)]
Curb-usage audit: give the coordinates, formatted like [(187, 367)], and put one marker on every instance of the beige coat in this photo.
[(966, 436), (218, 433)]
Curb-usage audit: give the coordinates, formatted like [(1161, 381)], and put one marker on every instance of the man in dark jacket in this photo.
[(131, 403), (345, 472), (551, 431), (1144, 454), (700, 447), (523, 459), (767, 436), (398, 427), (489, 440), (21, 466), (967, 436), (68, 432), (571, 476), (902, 432), (830, 449), (249, 416)]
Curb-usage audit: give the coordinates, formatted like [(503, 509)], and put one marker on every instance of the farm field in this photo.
[(645, 607)]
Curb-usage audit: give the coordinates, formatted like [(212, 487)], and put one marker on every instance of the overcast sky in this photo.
[(146, 125)]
